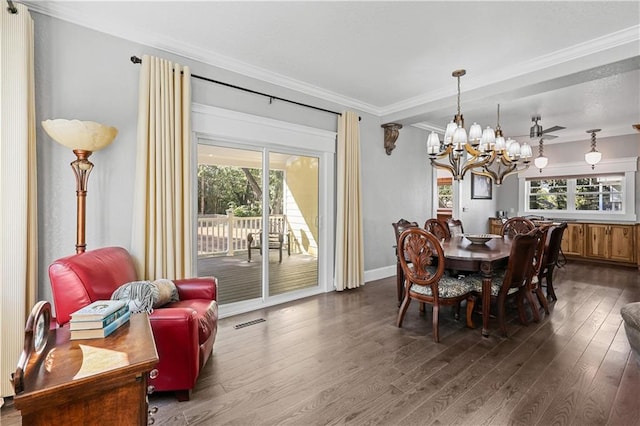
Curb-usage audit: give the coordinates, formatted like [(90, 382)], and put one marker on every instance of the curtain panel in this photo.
[(162, 222), (18, 214), (349, 253)]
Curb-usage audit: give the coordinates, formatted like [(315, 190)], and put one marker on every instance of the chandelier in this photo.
[(457, 148), (506, 157), (486, 152)]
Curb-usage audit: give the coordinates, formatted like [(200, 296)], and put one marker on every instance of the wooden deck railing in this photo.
[(227, 234)]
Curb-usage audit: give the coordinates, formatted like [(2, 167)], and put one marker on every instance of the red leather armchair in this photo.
[(184, 331)]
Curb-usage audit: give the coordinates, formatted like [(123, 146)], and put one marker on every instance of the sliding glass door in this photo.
[(258, 216)]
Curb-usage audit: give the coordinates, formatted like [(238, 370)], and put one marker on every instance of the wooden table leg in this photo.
[(486, 296)]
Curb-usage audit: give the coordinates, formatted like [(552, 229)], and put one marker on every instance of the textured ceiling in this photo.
[(574, 63)]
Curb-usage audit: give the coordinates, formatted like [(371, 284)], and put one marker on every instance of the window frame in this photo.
[(571, 171)]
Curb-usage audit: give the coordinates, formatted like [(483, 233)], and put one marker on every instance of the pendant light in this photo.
[(593, 157)]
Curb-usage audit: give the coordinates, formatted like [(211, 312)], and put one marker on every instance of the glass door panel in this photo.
[(230, 220), (293, 222)]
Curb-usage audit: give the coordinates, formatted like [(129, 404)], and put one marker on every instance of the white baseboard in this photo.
[(377, 274)]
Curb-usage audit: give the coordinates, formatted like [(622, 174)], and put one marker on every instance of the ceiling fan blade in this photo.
[(553, 129), (545, 137)]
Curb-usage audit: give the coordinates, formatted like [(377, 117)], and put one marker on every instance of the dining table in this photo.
[(464, 256)]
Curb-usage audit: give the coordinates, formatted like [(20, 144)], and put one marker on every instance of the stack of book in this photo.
[(99, 319)]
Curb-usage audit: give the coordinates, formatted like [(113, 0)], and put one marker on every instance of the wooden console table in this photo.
[(91, 382)]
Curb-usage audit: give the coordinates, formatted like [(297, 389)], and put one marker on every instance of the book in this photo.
[(96, 333), (97, 310), (80, 323)]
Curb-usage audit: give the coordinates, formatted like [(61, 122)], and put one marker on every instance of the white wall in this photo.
[(87, 75)]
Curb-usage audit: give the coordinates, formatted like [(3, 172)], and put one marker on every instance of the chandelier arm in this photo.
[(507, 172), (474, 162), (439, 165)]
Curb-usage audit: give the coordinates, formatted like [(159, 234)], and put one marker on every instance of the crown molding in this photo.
[(65, 11), (629, 37)]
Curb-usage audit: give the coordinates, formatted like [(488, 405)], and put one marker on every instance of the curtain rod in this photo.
[(11, 7), (137, 60)]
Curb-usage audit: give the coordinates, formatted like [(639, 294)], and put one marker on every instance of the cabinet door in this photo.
[(621, 237), (598, 241), (573, 240), (495, 225)]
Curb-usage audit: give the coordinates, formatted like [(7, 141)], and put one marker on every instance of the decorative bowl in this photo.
[(480, 238)]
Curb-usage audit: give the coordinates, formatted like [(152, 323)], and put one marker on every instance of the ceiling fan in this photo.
[(537, 131)]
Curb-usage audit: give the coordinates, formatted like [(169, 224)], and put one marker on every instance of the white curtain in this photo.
[(18, 215), (349, 258), (162, 222)]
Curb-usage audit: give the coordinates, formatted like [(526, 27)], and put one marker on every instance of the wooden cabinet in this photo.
[(610, 242), (495, 225), (573, 239), (91, 382)]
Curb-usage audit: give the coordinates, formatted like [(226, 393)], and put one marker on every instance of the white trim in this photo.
[(65, 11), (379, 273), (627, 165), (225, 124), (240, 130), (581, 168)]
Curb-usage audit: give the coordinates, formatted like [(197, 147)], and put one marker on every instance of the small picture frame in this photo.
[(480, 187)]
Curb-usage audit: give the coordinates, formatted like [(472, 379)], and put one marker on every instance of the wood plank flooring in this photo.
[(338, 358), (241, 280)]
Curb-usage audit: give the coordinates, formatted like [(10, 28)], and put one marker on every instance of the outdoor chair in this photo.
[(276, 241)]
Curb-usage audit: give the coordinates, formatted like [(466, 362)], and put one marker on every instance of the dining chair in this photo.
[(534, 285), (424, 278), (551, 254), (398, 228), (437, 228), (455, 227), (516, 225), (516, 278)]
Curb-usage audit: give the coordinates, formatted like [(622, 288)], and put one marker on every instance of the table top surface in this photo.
[(66, 362), (460, 248)]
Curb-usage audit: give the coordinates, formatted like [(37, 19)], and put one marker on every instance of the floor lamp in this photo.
[(83, 137)]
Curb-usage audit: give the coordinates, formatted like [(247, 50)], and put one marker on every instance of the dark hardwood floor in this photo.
[(338, 358)]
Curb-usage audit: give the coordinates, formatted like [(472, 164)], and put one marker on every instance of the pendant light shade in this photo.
[(593, 157)]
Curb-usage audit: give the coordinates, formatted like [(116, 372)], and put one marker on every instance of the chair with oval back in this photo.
[(437, 228), (398, 228), (516, 225), (424, 277), (455, 227)]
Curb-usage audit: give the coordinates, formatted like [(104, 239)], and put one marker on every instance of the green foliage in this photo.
[(227, 187)]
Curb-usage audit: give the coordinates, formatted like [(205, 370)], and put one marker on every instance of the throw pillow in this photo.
[(144, 296)]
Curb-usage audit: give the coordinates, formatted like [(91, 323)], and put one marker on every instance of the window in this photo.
[(602, 193), (445, 193), (547, 194), (596, 193)]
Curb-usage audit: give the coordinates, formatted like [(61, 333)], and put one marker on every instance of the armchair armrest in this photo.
[(197, 288), (175, 331)]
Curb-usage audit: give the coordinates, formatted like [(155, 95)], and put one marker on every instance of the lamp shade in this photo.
[(541, 162), (80, 135), (593, 157)]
